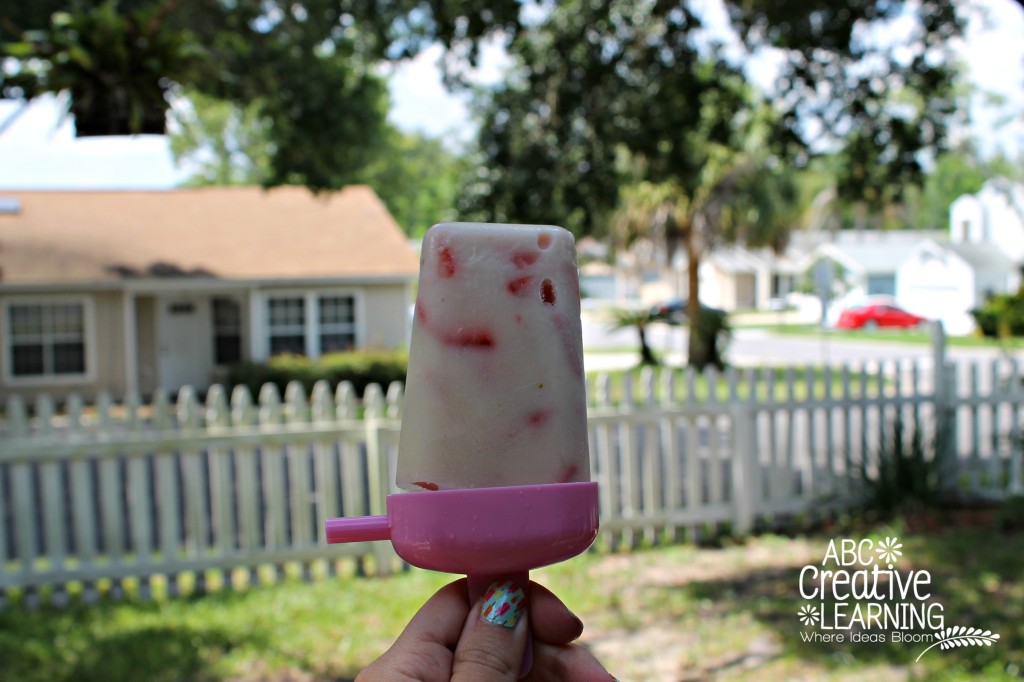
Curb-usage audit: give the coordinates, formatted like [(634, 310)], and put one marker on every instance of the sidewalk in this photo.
[(609, 362)]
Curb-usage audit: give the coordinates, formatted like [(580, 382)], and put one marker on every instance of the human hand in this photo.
[(448, 640)]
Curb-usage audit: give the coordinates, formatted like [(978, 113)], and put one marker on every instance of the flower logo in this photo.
[(807, 614), (889, 550)]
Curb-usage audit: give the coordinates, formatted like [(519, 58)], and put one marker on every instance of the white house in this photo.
[(945, 280), (131, 291), (995, 215), (735, 277)]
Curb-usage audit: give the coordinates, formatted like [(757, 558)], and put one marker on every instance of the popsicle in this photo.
[(493, 448), (495, 392)]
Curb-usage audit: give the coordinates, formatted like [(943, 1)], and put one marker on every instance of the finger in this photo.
[(551, 620), (424, 649), (566, 663), (441, 619), (494, 637)]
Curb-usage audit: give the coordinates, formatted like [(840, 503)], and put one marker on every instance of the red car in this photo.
[(876, 315)]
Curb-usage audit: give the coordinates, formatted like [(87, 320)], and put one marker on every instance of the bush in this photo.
[(1010, 514), (362, 368), (1001, 315), (907, 473)]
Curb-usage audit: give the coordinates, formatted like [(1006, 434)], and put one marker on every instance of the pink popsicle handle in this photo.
[(358, 529), (478, 585)]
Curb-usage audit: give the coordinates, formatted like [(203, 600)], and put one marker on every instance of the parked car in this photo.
[(673, 311), (878, 315)]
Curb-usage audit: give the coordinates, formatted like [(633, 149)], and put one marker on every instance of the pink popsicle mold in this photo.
[(488, 534), (481, 531)]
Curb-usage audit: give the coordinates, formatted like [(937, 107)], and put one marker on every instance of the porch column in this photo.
[(131, 348), (257, 326)]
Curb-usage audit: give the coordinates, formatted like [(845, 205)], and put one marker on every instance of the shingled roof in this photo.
[(225, 232)]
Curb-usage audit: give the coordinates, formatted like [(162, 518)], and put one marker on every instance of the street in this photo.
[(611, 349)]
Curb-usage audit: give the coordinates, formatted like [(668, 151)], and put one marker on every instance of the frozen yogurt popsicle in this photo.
[(495, 393)]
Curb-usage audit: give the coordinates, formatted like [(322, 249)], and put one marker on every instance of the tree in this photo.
[(847, 88), (623, 318), (110, 60), (596, 82), (740, 197), (639, 74), (957, 172), (416, 176), (309, 68), (225, 143)]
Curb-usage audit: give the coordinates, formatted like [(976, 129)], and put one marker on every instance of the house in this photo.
[(735, 277), (729, 278), (994, 215), (945, 281), (140, 290), (867, 261)]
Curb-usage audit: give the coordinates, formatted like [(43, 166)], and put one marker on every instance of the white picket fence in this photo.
[(113, 496)]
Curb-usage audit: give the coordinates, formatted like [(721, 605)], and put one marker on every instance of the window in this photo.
[(287, 322), (47, 339), (965, 231), (881, 285), (311, 323), (337, 323), (227, 331), (782, 285)]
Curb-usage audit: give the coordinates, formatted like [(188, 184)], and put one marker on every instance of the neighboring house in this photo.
[(868, 260), (732, 277), (945, 281), (735, 277), (729, 278), (140, 290), (995, 215), (939, 274)]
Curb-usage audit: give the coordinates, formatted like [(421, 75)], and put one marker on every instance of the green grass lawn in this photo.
[(915, 336), (672, 613), (769, 383)]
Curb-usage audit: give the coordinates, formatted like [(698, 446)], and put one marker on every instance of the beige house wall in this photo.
[(746, 290), (386, 309), (110, 350), (382, 320), (104, 349)]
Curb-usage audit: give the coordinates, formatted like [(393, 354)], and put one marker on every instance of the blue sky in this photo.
[(38, 151)]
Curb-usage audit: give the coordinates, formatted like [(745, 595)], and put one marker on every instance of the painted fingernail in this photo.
[(578, 624), (503, 603)]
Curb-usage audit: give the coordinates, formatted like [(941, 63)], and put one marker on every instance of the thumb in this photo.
[(493, 640)]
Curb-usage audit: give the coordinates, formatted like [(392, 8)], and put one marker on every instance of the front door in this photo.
[(183, 342)]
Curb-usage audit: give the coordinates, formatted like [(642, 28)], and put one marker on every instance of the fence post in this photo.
[(377, 469), (745, 480), (944, 393), (938, 335)]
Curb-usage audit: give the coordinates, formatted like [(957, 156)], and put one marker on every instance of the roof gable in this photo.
[(224, 232)]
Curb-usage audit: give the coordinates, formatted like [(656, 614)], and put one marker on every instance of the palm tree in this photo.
[(623, 318), (740, 196)]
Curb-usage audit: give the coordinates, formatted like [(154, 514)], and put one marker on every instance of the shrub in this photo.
[(362, 368), (907, 472), (1001, 315), (1010, 514)]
